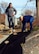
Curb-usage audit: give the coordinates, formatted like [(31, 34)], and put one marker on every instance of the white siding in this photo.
[(14, 20)]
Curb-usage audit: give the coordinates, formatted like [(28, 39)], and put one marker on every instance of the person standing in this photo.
[(10, 11)]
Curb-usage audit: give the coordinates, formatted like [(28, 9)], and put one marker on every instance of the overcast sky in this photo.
[(19, 5)]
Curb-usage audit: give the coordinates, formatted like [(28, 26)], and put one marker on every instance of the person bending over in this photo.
[(27, 19)]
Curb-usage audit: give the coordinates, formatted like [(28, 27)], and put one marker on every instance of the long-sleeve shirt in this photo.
[(10, 11)]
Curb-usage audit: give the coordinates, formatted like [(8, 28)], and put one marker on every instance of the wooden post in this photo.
[(2, 18), (38, 8)]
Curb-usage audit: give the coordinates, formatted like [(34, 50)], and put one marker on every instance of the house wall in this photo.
[(2, 18)]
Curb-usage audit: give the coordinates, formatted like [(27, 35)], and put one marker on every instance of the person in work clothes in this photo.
[(10, 11), (27, 19)]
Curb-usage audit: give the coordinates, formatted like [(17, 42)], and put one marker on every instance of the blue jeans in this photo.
[(11, 24), (30, 20)]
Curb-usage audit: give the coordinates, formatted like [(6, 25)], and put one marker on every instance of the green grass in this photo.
[(36, 28)]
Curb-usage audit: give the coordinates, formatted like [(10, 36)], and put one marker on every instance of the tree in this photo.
[(3, 5), (0, 10), (27, 12)]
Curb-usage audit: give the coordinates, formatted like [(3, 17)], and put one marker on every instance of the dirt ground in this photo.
[(31, 45)]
